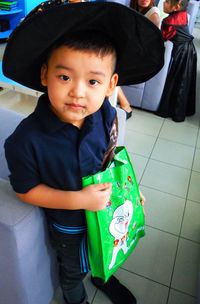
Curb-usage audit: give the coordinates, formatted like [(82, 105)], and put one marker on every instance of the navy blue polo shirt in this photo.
[(43, 149)]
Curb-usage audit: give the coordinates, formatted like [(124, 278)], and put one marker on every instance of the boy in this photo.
[(76, 65)]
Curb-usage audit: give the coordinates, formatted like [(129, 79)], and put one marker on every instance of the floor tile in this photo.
[(100, 298), (186, 267), (58, 297), (176, 297), (166, 178), (18, 102), (173, 153), (163, 211), (139, 143), (147, 114), (179, 133), (54, 301), (194, 189), (192, 121), (2, 48), (139, 164), (149, 126), (4, 91), (90, 288), (155, 248), (8, 99), (196, 165), (191, 222), (145, 291), (198, 141), (24, 107)]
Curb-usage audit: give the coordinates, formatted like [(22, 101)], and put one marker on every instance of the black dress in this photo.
[(179, 94)]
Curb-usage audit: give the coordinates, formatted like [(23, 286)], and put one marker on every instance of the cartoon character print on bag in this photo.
[(119, 229)]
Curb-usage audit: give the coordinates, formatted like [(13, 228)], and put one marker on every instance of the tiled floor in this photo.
[(164, 267)]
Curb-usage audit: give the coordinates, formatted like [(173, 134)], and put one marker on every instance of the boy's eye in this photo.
[(64, 77), (93, 82)]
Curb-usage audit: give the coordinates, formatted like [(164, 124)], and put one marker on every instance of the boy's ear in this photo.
[(43, 75), (112, 84)]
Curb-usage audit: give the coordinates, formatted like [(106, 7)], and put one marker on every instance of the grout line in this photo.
[(172, 194), (149, 158), (154, 281), (173, 234), (179, 236), (173, 165)]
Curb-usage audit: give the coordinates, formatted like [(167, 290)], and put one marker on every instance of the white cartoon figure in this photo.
[(119, 229)]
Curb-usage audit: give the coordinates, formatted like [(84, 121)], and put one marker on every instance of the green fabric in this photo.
[(8, 3), (114, 232)]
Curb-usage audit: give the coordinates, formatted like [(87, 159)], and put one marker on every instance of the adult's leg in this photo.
[(124, 104)]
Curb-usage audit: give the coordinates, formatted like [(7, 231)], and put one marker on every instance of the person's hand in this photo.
[(142, 201), (96, 197)]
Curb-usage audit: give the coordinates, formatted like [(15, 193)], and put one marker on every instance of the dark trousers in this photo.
[(71, 275)]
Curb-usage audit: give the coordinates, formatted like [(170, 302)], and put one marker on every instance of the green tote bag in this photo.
[(114, 231)]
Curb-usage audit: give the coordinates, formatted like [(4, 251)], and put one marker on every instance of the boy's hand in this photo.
[(142, 201), (96, 196)]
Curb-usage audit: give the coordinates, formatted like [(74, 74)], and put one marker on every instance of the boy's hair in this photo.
[(183, 4), (89, 41)]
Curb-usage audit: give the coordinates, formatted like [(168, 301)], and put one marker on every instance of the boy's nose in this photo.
[(77, 90)]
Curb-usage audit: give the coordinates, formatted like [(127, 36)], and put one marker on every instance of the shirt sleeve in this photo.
[(21, 163), (168, 31)]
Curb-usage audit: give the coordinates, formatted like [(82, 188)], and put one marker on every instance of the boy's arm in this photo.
[(94, 197)]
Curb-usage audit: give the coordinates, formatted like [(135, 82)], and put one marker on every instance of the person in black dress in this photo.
[(179, 94)]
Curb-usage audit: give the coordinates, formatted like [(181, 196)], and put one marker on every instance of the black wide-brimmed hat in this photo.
[(138, 41)]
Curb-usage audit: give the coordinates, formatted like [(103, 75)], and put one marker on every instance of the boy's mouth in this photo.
[(75, 106)]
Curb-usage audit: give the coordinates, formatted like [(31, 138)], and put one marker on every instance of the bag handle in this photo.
[(109, 154)]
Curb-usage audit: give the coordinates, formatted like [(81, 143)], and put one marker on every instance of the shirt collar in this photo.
[(52, 123), (47, 117)]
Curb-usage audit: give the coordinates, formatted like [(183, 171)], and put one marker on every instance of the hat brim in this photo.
[(138, 41)]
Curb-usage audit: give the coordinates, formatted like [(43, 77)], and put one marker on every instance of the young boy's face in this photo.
[(77, 83)]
